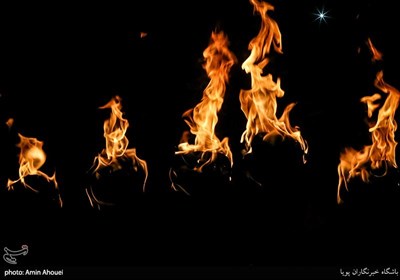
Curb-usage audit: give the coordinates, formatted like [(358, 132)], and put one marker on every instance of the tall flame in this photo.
[(116, 141), (203, 118), (259, 104), (382, 151), (31, 159)]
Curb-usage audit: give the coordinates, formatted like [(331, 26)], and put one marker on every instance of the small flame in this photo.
[(259, 104), (116, 145), (382, 152), (203, 118), (10, 122), (376, 55), (31, 159)]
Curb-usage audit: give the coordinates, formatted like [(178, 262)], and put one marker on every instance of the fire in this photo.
[(116, 146), (382, 152), (204, 117), (259, 104), (10, 122), (31, 159)]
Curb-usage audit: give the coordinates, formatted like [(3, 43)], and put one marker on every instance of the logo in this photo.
[(10, 255)]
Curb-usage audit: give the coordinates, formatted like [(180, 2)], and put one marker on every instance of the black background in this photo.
[(60, 62)]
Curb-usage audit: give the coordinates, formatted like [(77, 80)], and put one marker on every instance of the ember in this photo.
[(115, 162), (207, 148)]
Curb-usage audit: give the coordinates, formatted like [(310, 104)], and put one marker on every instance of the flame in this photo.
[(382, 151), (259, 104), (10, 122), (31, 159), (203, 118), (116, 141), (116, 145), (376, 55)]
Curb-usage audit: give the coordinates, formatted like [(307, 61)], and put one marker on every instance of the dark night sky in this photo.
[(60, 62)]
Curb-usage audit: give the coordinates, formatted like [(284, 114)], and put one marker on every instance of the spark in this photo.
[(321, 15)]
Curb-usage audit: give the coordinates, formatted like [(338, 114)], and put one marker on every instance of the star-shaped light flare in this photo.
[(321, 15)]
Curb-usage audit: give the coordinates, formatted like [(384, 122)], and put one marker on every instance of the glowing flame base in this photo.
[(263, 167), (45, 197), (382, 191), (115, 187), (214, 178)]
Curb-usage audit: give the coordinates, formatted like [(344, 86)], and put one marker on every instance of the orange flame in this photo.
[(116, 145), (382, 152), (31, 159), (10, 122), (259, 104), (203, 118)]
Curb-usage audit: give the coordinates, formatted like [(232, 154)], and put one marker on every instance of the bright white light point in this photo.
[(321, 15)]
